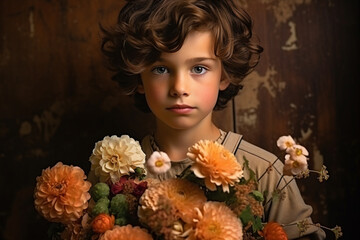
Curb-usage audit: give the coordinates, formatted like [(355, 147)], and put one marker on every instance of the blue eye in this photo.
[(160, 70), (199, 70)]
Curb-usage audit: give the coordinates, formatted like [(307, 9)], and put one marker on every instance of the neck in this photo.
[(175, 142)]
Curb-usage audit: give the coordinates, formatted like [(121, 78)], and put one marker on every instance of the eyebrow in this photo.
[(200, 59), (191, 60)]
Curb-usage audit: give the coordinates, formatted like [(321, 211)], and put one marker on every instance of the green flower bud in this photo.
[(139, 171), (100, 190), (102, 206), (104, 201), (119, 205), (121, 221)]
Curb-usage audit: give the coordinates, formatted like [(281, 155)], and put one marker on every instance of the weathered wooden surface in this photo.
[(57, 99)]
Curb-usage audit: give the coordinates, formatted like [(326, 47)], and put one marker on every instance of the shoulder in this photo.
[(254, 151), (259, 159)]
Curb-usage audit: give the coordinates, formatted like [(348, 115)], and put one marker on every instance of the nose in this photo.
[(180, 85)]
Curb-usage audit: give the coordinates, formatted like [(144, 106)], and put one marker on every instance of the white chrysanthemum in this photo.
[(285, 142), (115, 156), (294, 166), (158, 162)]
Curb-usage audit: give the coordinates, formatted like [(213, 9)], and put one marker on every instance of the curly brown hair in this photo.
[(146, 28)]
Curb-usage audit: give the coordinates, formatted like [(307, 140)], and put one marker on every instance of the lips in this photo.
[(181, 108)]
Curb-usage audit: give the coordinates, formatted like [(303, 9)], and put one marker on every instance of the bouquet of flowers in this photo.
[(211, 199)]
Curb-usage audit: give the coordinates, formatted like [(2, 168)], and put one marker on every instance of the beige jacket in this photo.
[(287, 211)]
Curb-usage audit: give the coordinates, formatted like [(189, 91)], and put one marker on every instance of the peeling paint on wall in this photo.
[(49, 120), (305, 134), (247, 118), (317, 158), (290, 44), (247, 101), (248, 98), (284, 9)]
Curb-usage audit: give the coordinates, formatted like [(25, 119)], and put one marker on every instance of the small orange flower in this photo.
[(102, 223), (274, 231)]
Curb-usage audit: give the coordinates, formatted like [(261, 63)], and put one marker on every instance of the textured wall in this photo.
[(306, 85), (57, 99)]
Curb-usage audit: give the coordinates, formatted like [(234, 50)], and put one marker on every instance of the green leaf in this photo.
[(246, 216), (257, 195), (252, 175), (257, 224)]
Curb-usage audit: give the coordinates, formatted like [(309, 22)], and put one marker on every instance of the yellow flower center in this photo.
[(295, 164), (298, 152), (288, 144), (159, 163), (213, 228)]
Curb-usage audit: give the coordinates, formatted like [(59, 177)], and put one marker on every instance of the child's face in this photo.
[(181, 88)]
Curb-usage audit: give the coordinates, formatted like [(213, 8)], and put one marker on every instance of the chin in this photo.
[(181, 125)]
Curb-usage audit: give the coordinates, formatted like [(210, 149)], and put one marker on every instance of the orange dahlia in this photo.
[(214, 163), (185, 196), (181, 194), (62, 193), (127, 232), (102, 223), (274, 231), (216, 221)]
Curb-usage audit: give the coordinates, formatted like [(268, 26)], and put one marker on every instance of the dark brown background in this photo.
[(57, 99)]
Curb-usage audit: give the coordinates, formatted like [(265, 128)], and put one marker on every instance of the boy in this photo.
[(181, 60)]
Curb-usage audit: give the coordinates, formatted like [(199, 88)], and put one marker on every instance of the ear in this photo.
[(224, 83)]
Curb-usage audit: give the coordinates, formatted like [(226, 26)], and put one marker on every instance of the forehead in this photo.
[(197, 44)]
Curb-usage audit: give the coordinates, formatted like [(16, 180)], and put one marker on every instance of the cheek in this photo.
[(208, 96), (154, 94)]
